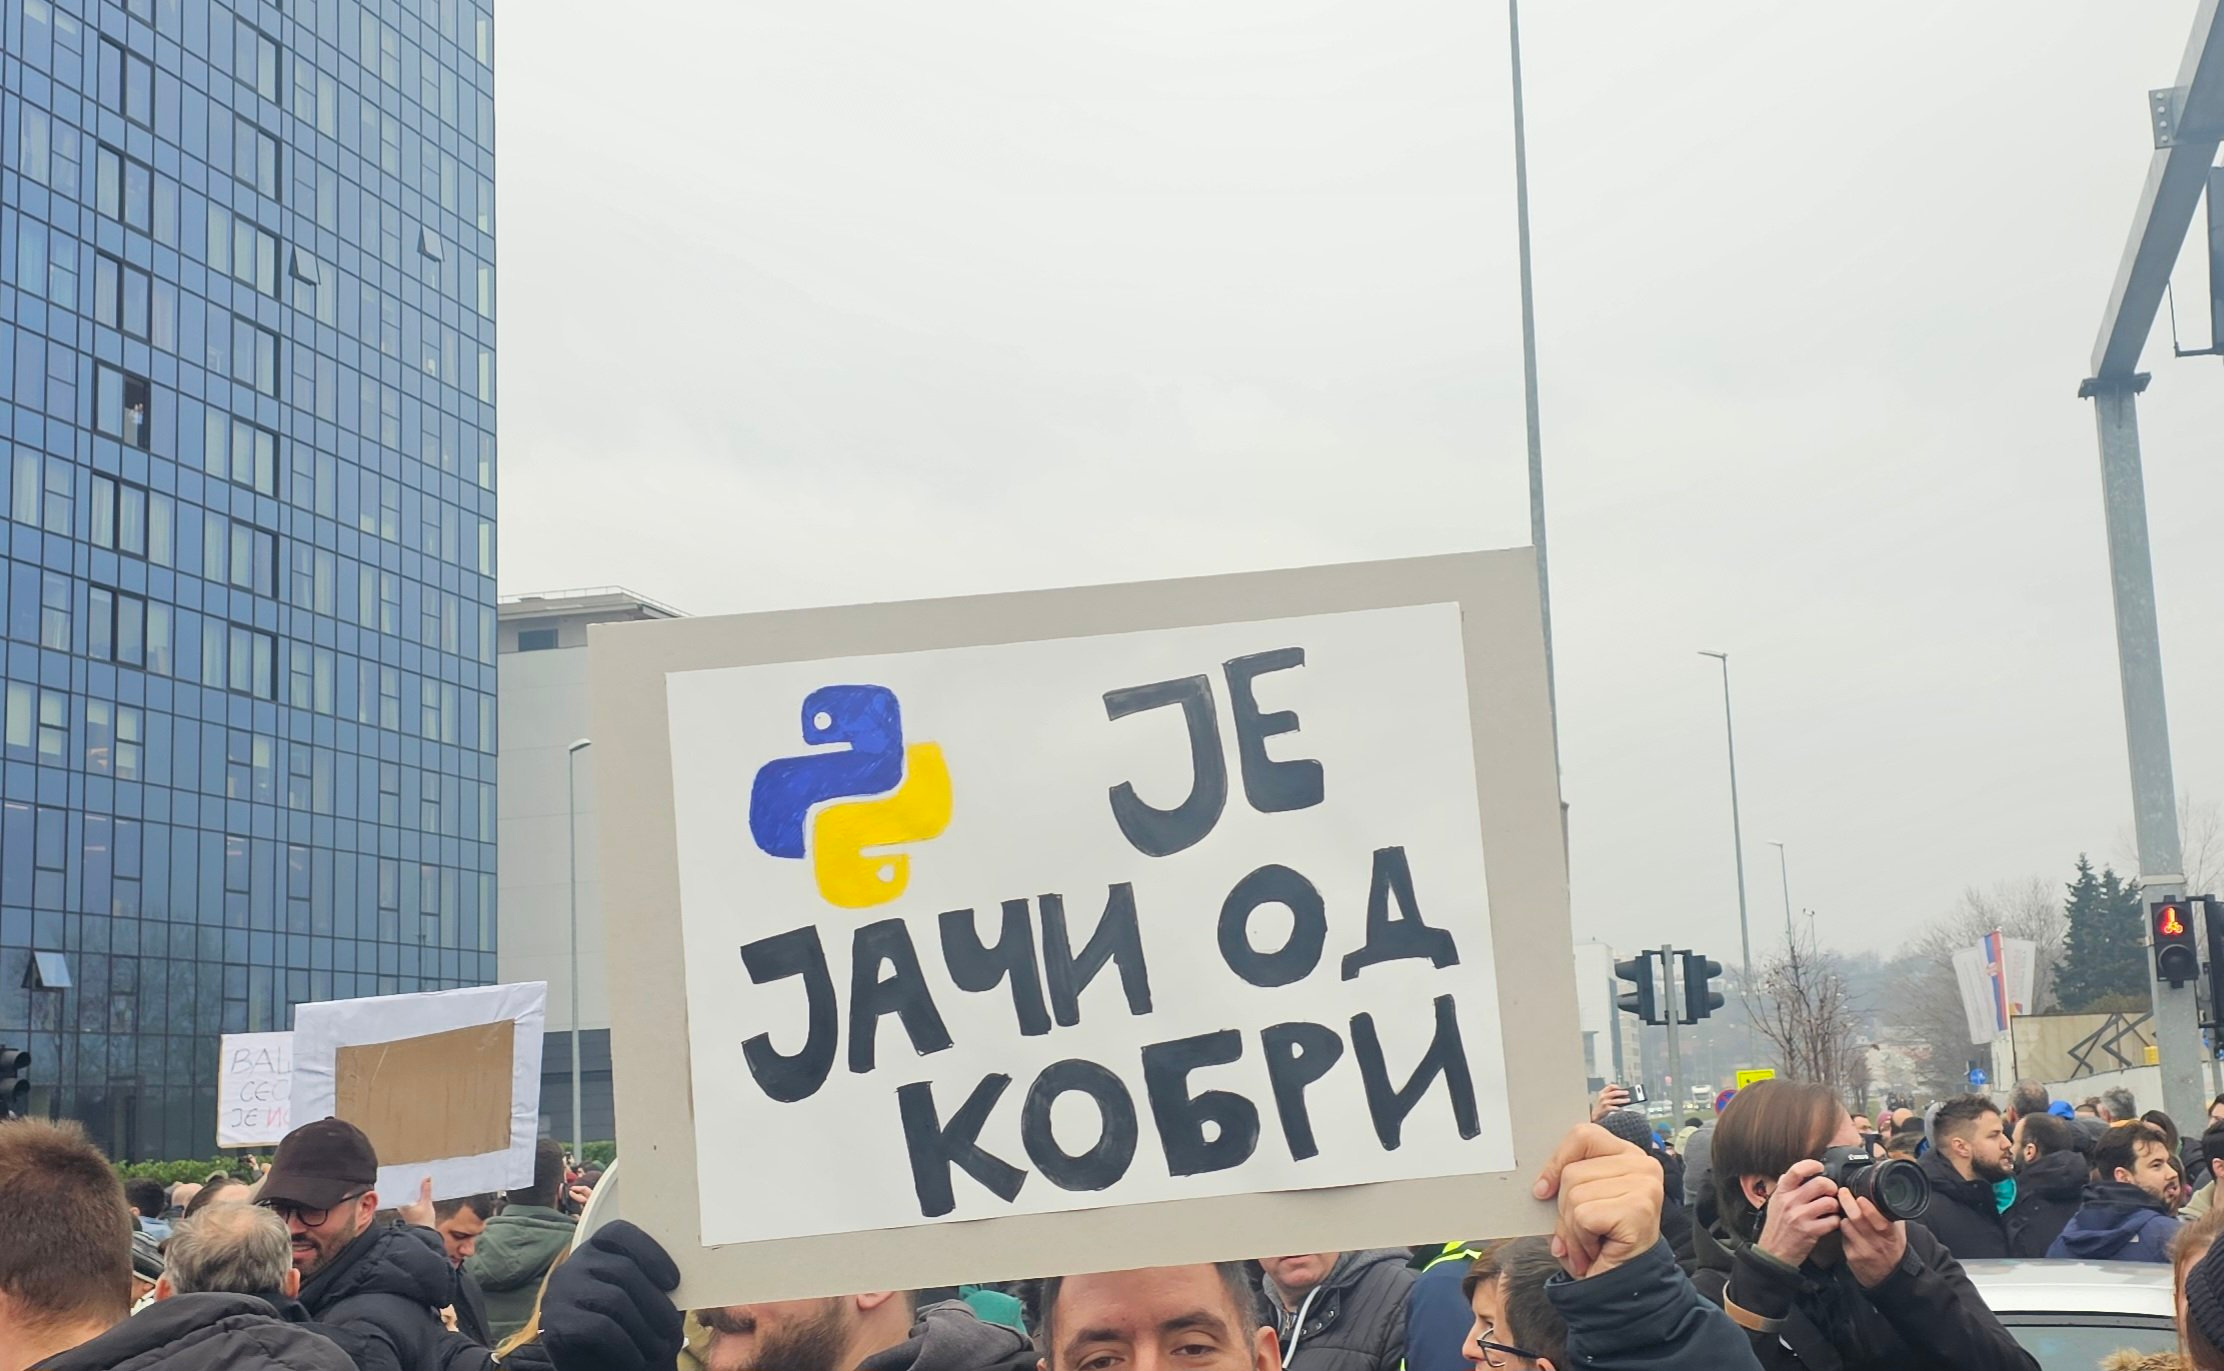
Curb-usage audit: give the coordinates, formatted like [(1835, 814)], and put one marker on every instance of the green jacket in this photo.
[(514, 1253)]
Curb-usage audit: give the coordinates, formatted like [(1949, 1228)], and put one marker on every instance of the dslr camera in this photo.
[(1896, 1186)]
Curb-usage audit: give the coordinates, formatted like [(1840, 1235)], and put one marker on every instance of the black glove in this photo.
[(605, 1308)]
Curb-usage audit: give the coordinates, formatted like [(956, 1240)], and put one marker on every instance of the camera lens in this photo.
[(1899, 1189)]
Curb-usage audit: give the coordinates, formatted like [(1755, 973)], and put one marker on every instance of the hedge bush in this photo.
[(170, 1173), (598, 1153)]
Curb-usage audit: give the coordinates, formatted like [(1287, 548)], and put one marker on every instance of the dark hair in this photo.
[(548, 1176), (210, 1189), (67, 1253), (1243, 1298), (2212, 1143), (2030, 1098), (1692, 1121), (149, 1197), (2168, 1125), (1521, 1266), (481, 1205), (2188, 1246), (2122, 1108), (1958, 1114), (2051, 1135), (2119, 1146), (1770, 1125)]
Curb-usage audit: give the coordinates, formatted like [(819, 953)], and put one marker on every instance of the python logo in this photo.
[(863, 790)]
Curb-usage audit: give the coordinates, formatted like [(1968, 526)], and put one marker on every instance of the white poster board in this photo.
[(1194, 913), (447, 1083), (254, 1089)]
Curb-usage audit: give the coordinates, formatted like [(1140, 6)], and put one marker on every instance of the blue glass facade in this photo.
[(247, 756)]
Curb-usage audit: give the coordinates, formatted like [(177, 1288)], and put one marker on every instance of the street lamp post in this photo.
[(1737, 830), (571, 841), (1783, 872)]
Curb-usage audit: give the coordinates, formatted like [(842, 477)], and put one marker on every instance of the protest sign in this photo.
[(446, 1083), (254, 1089), (1088, 929)]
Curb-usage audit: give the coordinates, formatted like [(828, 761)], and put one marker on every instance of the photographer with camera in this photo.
[(1810, 1252)]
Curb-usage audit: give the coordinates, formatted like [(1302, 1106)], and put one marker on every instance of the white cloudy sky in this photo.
[(867, 299)]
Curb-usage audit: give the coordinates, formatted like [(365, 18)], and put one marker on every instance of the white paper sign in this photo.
[(323, 1030), (254, 1089), (1051, 925)]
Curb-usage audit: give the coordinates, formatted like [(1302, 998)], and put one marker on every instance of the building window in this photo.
[(54, 611), (53, 725), (536, 639), (122, 405), (255, 59)]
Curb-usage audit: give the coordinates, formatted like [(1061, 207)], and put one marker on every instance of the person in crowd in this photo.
[(1438, 1317), (1816, 1276), (2124, 1214), (181, 1195), (1970, 1154), (1675, 1219), (519, 1244), (219, 1189), (242, 1249), (147, 1200), (146, 1269), (1903, 1145), (1698, 1172), (65, 1277), (2028, 1098), (1345, 1309), (386, 1281), (2051, 1174), (2208, 1164), (2117, 1105), (459, 1222)]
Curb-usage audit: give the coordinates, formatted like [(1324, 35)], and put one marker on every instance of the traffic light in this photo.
[(2177, 960), (2212, 914), (1643, 1001), (15, 1082), (1700, 998)]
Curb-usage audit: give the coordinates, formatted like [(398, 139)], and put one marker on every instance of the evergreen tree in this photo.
[(2102, 957)]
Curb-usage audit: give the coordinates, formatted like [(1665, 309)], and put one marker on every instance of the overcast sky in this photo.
[(866, 299)]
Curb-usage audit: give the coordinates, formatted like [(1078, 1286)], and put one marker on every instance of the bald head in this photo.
[(237, 1249)]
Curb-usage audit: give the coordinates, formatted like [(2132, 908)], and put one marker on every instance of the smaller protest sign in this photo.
[(254, 1089), (1753, 1075), (446, 1084)]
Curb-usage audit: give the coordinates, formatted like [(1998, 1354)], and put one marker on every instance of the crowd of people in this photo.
[(1729, 1244)]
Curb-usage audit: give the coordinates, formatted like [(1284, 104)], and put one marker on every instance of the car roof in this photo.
[(2074, 1287)]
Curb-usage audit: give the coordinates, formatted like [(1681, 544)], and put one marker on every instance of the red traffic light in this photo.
[(2169, 921)]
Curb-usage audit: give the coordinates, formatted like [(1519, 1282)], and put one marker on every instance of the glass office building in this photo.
[(247, 435)]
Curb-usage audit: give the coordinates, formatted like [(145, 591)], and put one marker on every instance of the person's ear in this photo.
[(1757, 1190), (872, 1299), (1545, 1364), (289, 1284), (162, 1288), (1266, 1350)]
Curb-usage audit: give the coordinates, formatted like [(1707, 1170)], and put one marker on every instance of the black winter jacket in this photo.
[(1963, 1214), (1354, 1320), (2048, 1191), (1644, 1315), (388, 1286), (1926, 1314), (204, 1333)]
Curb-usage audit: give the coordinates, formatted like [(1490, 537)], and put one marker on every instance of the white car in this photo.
[(2070, 1314)]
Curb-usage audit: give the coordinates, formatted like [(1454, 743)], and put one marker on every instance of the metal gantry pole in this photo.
[(2154, 805), (1671, 1005), (1784, 874)]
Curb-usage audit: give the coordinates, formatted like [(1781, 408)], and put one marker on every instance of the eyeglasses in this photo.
[(1483, 1342), (310, 1218)]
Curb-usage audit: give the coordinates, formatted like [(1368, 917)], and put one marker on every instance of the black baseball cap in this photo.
[(319, 1164)]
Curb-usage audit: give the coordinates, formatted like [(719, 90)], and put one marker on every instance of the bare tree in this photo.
[(1925, 1003), (1806, 1010), (2200, 844)]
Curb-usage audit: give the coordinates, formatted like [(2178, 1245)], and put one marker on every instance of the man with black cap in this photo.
[(385, 1281)]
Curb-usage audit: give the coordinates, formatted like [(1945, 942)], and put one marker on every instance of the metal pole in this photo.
[(1737, 829), (571, 832), (2146, 723), (1784, 872), (1672, 1009), (1529, 377)]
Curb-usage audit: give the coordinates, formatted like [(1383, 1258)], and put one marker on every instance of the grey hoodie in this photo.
[(1354, 1320), (950, 1337)]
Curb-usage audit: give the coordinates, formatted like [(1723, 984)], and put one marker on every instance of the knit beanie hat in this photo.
[(1631, 1127), (2204, 1295)]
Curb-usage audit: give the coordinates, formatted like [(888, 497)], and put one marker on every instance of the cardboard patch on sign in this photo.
[(438, 1095)]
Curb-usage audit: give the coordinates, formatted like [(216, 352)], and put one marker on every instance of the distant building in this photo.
[(543, 645), (247, 435)]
